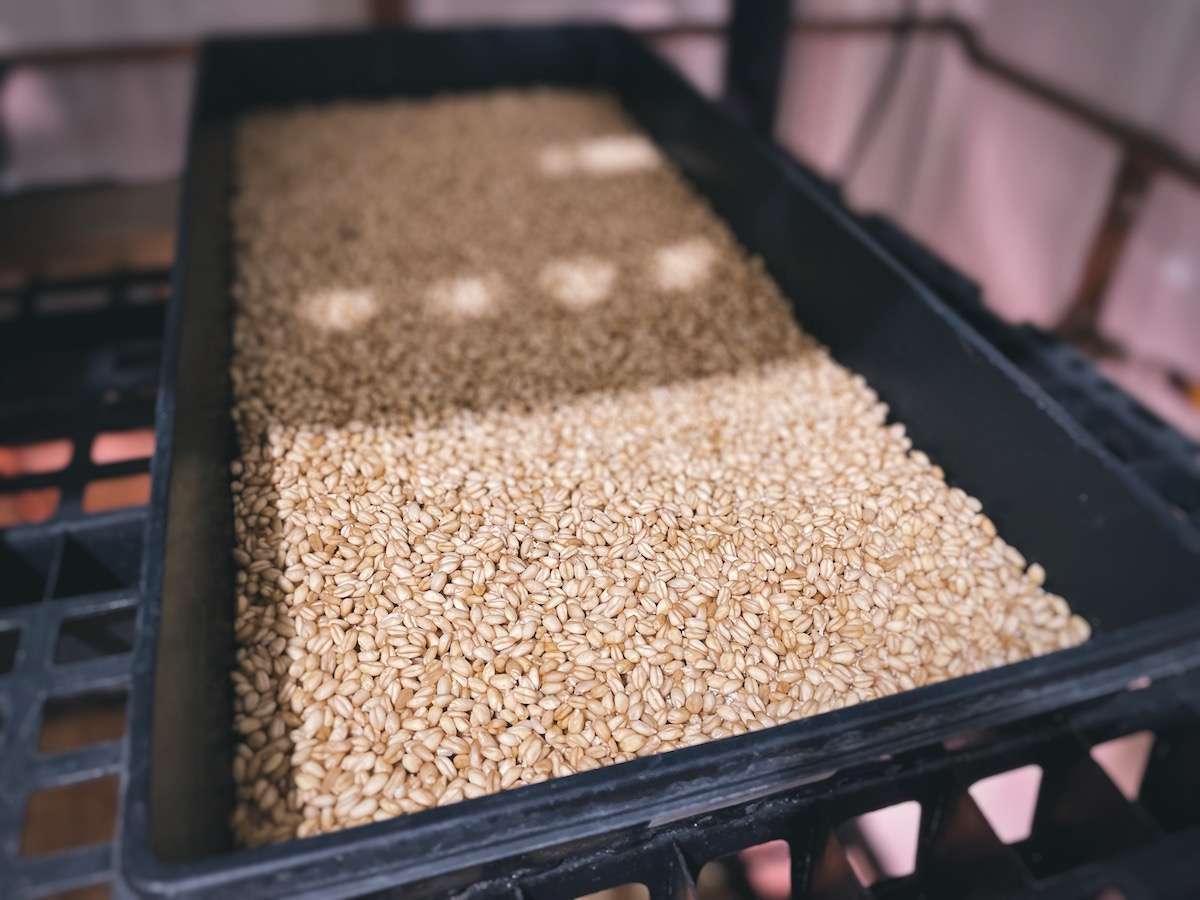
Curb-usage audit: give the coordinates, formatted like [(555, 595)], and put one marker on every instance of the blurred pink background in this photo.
[(1003, 186)]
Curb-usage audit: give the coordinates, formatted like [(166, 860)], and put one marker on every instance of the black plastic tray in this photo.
[(1124, 559)]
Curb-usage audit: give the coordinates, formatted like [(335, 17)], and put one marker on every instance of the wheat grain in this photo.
[(537, 473)]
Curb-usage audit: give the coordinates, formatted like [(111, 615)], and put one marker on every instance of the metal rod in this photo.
[(1133, 138), (758, 31), (1126, 198)]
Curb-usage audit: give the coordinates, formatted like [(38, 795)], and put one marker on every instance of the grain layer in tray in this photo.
[(538, 474)]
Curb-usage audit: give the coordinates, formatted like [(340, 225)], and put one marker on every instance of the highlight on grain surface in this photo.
[(602, 155), (684, 265), (578, 283), (338, 310), (632, 508), (464, 297)]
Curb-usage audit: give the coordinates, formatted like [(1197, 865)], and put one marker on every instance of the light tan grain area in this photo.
[(537, 473)]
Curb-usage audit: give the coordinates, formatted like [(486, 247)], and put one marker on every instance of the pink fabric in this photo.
[(999, 185), (1007, 189), (1153, 307)]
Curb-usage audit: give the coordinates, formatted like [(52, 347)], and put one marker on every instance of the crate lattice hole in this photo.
[(29, 507), (88, 892), (23, 571), (92, 568), (120, 446), (632, 891), (71, 300), (116, 493), (35, 459), (75, 815), (1124, 760), (91, 637), (81, 720), (883, 844), (763, 871), (144, 293), (1008, 801)]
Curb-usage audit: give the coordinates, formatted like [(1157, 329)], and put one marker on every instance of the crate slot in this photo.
[(763, 871), (832, 874), (1170, 789), (116, 493), (1081, 816), (24, 568), (10, 639), (73, 300), (966, 852), (94, 568), (119, 446), (81, 720), (883, 844), (1008, 801), (29, 507), (136, 356), (34, 459), (144, 293), (1124, 760), (91, 637), (88, 892), (632, 890), (76, 815)]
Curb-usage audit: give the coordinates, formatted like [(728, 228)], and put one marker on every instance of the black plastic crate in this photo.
[(70, 577), (1120, 554)]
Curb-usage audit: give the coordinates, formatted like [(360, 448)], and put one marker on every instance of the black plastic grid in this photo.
[(68, 590), (78, 359), (1086, 837)]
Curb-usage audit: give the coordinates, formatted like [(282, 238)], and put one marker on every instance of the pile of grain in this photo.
[(537, 473)]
